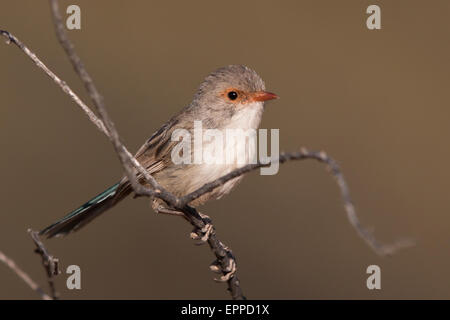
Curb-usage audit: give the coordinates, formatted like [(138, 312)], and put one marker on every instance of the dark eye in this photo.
[(232, 95)]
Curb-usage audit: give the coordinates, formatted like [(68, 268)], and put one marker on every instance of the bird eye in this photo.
[(232, 95)]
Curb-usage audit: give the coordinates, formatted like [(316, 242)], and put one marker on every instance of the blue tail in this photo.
[(83, 215)]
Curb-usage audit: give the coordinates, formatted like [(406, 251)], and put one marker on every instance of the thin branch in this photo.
[(321, 156), (24, 276), (11, 38), (50, 263), (123, 153), (124, 156)]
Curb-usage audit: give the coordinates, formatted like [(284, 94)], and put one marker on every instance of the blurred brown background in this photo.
[(377, 101)]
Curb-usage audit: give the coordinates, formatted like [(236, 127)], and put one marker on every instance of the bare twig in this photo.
[(50, 263), (11, 38), (125, 157), (24, 276), (321, 156)]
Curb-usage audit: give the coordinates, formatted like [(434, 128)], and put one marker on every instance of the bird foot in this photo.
[(227, 273), (202, 234)]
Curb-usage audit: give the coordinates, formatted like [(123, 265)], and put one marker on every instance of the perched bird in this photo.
[(231, 97)]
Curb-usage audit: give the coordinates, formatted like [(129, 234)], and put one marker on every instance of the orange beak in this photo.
[(263, 96)]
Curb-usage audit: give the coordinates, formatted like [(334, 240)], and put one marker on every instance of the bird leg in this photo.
[(201, 234), (159, 207), (172, 212)]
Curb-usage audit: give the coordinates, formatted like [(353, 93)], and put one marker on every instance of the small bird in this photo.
[(231, 97)]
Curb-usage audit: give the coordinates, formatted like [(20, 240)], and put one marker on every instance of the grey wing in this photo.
[(153, 155)]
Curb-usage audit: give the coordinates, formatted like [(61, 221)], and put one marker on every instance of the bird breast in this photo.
[(182, 180), (235, 151)]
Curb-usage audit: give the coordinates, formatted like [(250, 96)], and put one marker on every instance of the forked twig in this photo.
[(50, 263)]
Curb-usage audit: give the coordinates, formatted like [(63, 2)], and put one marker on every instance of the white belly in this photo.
[(182, 180), (235, 153)]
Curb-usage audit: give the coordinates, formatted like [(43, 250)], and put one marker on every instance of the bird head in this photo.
[(230, 90)]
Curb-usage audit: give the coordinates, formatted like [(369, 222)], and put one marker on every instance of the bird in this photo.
[(231, 97)]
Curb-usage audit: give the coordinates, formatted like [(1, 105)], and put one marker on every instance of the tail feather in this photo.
[(84, 214)]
